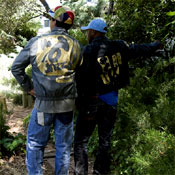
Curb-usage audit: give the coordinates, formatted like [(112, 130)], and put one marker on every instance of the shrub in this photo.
[(143, 136), (153, 153), (9, 144)]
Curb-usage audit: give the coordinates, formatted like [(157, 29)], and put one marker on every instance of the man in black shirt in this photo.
[(103, 72)]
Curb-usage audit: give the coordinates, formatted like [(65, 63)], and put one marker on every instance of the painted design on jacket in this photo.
[(108, 73), (58, 55)]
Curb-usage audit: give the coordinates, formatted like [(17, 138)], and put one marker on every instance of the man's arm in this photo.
[(137, 50), (18, 68)]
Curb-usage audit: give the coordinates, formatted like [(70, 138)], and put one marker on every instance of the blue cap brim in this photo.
[(51, 13), (84, 28)]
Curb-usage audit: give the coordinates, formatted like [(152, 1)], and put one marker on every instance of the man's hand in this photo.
[(32, 92), (160, 44)]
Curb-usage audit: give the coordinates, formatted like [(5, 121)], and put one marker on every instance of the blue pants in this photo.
[(38, 137)]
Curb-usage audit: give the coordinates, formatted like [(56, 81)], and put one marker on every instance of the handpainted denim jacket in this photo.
[(54, 58)]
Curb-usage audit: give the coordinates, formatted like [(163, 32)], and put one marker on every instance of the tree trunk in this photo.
[(25, 100), (30, 101), (3, 102), (111, 5)]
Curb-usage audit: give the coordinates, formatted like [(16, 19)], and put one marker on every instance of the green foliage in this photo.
[(145, 108), (152, 152), (7, 43), (26, 32), (84, 13), (9, 144), (171, 14), (17, 22), (16, 96), (17, 99), (11, 82), (145, 111), (29, 71), (12, 144), (22, 41), (26, 120), (80, 36), (141, 21)]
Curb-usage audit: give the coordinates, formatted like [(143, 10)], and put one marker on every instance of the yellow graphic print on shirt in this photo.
[(107, 71), (57, 55)]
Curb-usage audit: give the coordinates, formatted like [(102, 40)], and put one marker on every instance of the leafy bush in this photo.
[(13, 144), (80, 36), (143, 21), (18, 22), (16, 93), (9, 144), (26, 120), (145, 121), (17, 99), (153, 153)]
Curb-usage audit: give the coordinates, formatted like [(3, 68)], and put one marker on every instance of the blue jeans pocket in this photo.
[(44, 119), (40, 118)]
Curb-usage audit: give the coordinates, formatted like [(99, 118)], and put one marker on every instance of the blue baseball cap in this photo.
[(96, 24)]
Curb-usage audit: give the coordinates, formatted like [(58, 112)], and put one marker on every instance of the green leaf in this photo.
[(173, 22), (171, 13)]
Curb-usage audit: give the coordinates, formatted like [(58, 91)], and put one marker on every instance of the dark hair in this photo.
[(106, 29), (61, 24)]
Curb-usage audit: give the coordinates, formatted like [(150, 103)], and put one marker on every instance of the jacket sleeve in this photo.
[(139, 50), (19, 65)]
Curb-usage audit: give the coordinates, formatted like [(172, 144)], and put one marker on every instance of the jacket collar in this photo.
[(59, 29), (99, 38)]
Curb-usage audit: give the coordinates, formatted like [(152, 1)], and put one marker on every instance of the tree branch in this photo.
[(45, 4), (111, 6)]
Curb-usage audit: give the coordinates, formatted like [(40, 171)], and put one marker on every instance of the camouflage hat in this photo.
[(62, 14)]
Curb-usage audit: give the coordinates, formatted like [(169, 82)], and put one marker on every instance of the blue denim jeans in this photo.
[(38, 137)]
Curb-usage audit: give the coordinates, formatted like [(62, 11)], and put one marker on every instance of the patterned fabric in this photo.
[(62, 14), (54, 58)]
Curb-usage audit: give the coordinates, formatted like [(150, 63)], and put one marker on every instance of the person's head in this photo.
[(97, 27), (61, 17)]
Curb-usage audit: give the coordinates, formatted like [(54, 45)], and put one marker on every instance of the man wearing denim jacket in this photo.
[(103, 72), (54, 58)]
